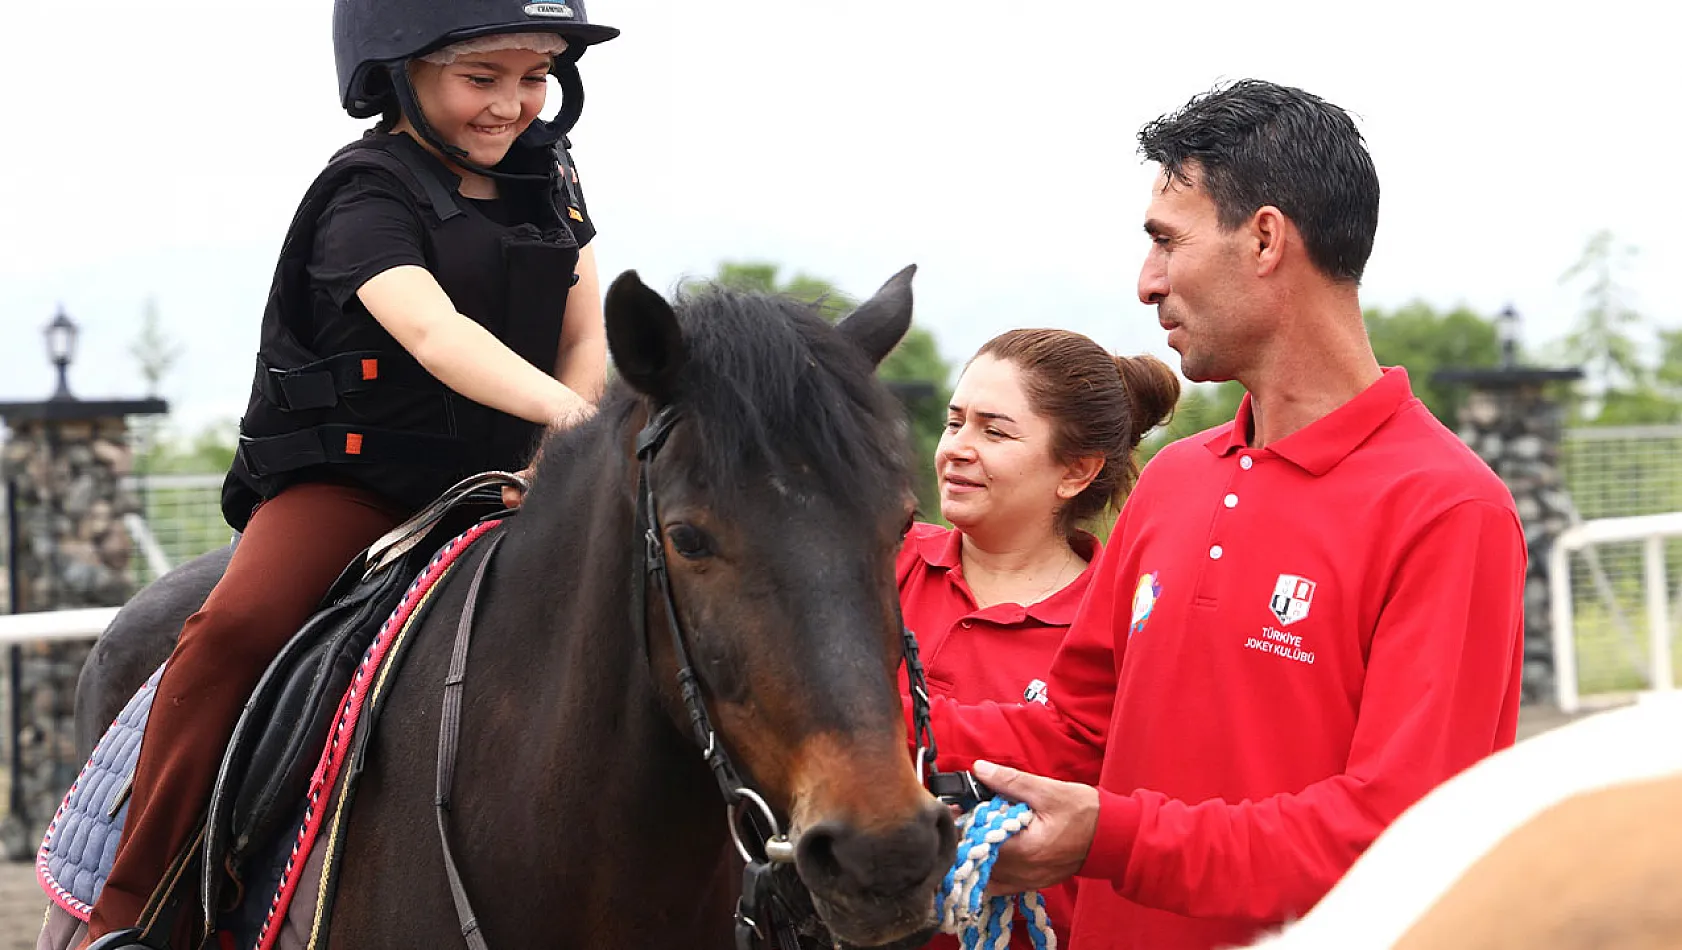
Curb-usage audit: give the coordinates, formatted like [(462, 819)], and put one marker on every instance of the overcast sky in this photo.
[(158, 151)]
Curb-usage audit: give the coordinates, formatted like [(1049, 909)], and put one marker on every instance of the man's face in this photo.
[(1196, 275)]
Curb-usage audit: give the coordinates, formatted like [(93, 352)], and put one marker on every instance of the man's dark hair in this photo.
[(1256, 143)]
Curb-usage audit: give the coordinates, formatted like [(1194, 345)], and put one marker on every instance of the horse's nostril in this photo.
[(815, 855)]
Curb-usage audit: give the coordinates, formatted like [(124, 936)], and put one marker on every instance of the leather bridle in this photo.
[(764, 917)]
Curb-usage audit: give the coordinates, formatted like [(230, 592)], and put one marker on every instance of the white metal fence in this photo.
[(184, 516), (1623, 471), (1644, 637), (1615, 573)]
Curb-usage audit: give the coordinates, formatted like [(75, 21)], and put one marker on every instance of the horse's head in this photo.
[(781, 494)]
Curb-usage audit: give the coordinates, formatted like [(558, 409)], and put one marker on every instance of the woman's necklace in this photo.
[(1055, 585), (1056, 582)]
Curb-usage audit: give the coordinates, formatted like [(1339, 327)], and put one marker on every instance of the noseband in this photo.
[(761, 914)]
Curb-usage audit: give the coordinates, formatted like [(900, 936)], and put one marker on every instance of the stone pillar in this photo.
[(1515, 424), (63, 468)]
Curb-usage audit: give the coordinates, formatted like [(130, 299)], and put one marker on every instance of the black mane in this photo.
[(772, 390)]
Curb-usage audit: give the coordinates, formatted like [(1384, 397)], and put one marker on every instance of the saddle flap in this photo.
[(289, 720)]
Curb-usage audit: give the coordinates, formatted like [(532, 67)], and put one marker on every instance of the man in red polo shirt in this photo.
[(1305, 619)]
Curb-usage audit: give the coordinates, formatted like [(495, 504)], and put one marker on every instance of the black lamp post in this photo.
[(1506, 334), (61, 336), (36, 581)]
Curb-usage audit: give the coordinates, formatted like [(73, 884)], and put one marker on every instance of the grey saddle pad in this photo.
[(81, 842)]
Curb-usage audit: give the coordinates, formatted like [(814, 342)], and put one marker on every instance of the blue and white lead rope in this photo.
[(980, 922)]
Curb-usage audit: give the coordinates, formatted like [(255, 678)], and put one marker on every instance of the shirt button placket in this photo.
[(1216, 552), (1207, 584)]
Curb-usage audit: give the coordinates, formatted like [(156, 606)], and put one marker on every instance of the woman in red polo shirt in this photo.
[(1039, 444)]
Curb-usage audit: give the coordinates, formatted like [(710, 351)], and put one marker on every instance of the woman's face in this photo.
[(483, 101), (995, 460)]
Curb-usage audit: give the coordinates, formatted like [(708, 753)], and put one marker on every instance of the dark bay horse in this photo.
[(584, 814)]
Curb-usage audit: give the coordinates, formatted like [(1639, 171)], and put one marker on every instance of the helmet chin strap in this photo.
[(540, 134)]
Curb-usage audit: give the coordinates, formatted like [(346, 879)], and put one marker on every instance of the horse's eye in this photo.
[(689, 541)]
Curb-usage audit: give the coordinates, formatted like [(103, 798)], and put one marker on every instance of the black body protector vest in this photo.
[(336, 398)]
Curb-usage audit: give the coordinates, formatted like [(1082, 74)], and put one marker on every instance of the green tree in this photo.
[(1423, 340), (156, 352), (1655, 400), (209, 450), (1669, 374), (916, 360), (1627, 381), (1635, 407), (154, 349), (1601, 340)]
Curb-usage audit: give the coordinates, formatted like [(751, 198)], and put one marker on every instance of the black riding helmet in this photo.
[(373, 41)]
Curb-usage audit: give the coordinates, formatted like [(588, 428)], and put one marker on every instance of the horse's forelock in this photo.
[(770, 391), (774, 390)]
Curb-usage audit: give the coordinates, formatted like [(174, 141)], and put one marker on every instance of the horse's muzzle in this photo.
[(876, 888)]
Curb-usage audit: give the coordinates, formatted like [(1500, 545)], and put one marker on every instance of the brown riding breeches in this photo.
[(296, 544)]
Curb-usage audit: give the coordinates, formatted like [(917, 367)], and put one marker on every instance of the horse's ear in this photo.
[(644, 338), (880, 322)]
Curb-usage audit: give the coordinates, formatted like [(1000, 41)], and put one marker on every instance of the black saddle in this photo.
[(266, 769)]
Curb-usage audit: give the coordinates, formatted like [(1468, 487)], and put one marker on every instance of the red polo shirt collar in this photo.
[(1319, 446), (946, 551)]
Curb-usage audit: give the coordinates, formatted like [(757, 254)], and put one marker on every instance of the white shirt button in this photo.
[(1231, 501), (1244, 462), (1215, 553)]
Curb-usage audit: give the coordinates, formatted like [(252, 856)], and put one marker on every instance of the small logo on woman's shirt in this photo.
[(1144, 601)]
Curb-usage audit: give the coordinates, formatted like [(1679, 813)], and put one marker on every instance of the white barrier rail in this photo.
[(141, 534), (85, 623), (1653, 530)]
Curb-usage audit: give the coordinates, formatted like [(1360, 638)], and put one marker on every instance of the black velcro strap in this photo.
[(319, 385), (441, 198), (342, 444), (958, 788)]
